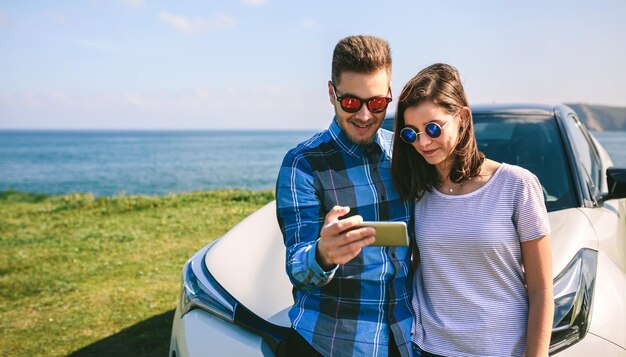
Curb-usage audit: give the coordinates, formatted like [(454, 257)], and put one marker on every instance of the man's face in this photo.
[(360, 127)]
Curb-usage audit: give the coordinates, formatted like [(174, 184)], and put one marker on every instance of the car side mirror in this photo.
[(616, 182)]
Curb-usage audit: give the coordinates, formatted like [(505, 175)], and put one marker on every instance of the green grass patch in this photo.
[(101, 276)]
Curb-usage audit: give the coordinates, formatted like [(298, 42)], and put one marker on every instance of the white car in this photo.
[(236, 294)]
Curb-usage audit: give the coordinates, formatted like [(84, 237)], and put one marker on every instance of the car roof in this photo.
[(516, 108), (509, 108)]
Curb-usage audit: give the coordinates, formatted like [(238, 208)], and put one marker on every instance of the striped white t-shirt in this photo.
[(469, 293)]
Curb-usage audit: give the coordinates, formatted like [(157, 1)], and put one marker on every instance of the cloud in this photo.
[(203, 94), (28, 100), (255, 2), (263, 107), (64, 99), (138, 100), (134, 3), (193, 26), (307, 24), (276, 90)]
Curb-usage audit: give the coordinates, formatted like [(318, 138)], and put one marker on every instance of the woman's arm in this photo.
[(537, 260)]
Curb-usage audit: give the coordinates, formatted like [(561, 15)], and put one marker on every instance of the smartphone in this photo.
[(389, 233)]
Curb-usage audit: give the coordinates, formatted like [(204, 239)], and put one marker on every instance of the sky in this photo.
[(264, 64)]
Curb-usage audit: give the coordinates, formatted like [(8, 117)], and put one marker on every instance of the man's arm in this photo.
[(300, 219), (316, 244)]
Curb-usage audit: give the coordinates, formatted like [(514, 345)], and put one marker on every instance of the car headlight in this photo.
[(201, 290), (573, 295)]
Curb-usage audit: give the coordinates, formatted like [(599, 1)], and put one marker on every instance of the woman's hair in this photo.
[(411, 174), (360, 54)]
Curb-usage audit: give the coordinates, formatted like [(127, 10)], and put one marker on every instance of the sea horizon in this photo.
[(110, 162), (145, 162)]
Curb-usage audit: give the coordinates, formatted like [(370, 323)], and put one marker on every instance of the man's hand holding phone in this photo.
[(342, 240)]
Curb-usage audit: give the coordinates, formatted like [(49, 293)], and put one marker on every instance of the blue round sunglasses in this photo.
[(432, 129)]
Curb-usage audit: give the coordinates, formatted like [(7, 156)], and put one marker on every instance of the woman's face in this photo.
[(436, 151)]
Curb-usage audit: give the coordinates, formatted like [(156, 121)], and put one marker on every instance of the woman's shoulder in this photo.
[(516, 173)]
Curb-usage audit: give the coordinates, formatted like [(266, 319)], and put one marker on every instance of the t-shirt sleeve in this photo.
[(530, 214)]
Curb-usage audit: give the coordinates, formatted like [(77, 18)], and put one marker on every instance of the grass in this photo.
[(101, 276)]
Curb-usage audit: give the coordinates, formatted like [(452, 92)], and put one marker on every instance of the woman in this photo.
[(484, 284)]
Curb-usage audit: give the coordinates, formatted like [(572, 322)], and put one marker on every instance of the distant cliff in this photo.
[(601, 117)]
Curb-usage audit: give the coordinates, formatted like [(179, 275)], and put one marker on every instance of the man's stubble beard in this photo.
[(358, 141)]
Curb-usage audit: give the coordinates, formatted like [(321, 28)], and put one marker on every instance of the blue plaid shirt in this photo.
[(352, 309)]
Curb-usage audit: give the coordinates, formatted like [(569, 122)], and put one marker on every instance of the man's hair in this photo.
[(360, 54), (411, 174)]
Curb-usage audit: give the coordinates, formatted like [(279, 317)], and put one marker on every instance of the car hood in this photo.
[(570, 232), (249, 260)]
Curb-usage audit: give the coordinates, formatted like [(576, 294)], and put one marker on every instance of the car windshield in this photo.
[(533, 143)]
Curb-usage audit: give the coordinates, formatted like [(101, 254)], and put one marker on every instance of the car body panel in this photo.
[(593, 346), (609, 311), (263, 287), (565, 224), (200, 333)]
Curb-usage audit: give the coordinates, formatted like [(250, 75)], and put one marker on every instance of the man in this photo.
[(350, 299)]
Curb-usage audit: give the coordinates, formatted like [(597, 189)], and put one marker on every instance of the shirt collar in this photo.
[(348, 146)]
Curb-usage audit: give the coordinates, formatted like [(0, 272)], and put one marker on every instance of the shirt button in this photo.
[(383, 197)]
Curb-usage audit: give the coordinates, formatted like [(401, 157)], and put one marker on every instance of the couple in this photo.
[(483, 286)]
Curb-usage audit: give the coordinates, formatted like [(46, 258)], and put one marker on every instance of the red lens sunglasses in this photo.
[(352, 104)]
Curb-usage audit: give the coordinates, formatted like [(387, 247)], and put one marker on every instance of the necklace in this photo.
[(457, 186)]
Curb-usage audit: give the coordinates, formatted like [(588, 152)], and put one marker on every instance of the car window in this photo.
[(585, 152), (533, 143)]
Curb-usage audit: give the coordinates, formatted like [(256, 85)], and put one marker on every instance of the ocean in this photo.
[(109, 163), (142, 162), (615, 144)]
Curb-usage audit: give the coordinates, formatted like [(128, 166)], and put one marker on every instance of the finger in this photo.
[(347, 252), (335, 213), (331, 243), (349, 223), (338, 227), (355, 235)]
